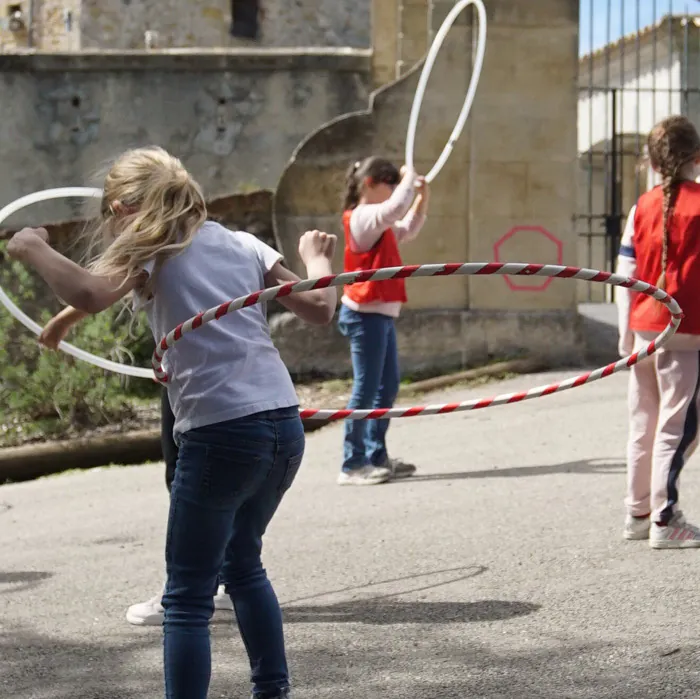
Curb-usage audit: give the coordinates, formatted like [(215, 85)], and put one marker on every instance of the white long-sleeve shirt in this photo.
[(627, 266), (367, 225)]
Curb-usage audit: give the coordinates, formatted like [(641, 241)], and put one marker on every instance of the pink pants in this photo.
[(663, 430)]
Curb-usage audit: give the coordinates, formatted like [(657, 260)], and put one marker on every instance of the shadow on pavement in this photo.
[(455, 667), (394, 612), (393, 663), (588, 466), (456, 575), (34, 665), (21, 580)]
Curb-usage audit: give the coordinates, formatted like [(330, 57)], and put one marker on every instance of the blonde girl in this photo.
[(237, 426)]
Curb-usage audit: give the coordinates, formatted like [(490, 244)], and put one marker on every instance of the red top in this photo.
[(683, 265), (385, 253)]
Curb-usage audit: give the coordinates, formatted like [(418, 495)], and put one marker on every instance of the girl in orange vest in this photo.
[(382, 209), (661, 245)]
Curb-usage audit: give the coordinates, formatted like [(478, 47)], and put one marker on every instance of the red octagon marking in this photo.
[(512, 281)]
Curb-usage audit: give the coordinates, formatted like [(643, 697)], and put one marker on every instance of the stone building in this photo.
[(291, 120), (74, 25), (625, 87)]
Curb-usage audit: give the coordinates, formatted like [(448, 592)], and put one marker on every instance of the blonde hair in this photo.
[(163, 209)]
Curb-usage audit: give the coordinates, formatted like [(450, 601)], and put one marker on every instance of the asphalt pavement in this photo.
[(497, 572)]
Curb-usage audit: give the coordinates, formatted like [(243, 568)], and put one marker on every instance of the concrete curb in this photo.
[(514, 366), (36, 460)]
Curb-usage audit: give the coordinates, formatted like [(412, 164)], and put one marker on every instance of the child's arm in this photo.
[(87, 292), (408, 228), (369, 221), (627, 266), (318, 306), (57, 328)]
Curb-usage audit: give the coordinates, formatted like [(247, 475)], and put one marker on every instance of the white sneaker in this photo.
[(222, 602), (367, 475), (636, 528), (399, 469), (151, 613), (677, 534)]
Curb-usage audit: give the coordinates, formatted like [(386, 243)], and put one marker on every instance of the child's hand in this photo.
[(315, 244), (422, 186), (24, 240), (54, 332)]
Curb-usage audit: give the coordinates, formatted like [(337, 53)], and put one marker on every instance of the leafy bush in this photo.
[(52, 390)]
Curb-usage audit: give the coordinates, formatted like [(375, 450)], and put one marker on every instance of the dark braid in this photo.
[(377, 169), (670, 190), (672, 144), (352, 194)]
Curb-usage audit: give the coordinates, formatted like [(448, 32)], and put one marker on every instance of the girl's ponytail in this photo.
[(352, 192), (670, 190), (377, 169), (164, 209)]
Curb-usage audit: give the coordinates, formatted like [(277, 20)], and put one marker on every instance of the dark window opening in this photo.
[(244, 23)]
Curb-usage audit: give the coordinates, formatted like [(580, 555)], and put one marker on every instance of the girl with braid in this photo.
[(661, 246)]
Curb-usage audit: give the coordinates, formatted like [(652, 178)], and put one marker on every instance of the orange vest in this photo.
[(683, 265), (385, 253)]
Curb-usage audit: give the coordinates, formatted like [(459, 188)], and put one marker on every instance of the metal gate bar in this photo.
[(621, 94)]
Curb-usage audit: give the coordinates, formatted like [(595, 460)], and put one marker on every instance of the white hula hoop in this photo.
[(423, 83), (18, 314)]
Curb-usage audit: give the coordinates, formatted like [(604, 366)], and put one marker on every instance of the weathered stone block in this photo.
[(115, 24), (518, 14), (436, 341), (499, 189), (543, 240), (498, 136), (549, 190)]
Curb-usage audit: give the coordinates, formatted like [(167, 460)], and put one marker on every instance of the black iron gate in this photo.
[(626, 85)]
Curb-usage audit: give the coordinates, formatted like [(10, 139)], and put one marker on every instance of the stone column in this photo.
[(523, 156), (400, 36)]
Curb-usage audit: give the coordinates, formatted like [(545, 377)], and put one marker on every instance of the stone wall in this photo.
[(12, 40), (185, 23), (50, 25), (507, 193), (57, 25), (233, 117), (73, 25)]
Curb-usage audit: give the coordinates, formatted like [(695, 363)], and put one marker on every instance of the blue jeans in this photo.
[(229, 481), (376, 378)]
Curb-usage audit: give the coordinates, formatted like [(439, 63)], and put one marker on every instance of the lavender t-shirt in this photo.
[(230, 367)]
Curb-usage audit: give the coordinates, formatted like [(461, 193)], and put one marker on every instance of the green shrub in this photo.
[(52, 391)]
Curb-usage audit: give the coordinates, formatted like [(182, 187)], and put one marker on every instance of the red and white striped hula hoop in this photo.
[(471, 268)]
